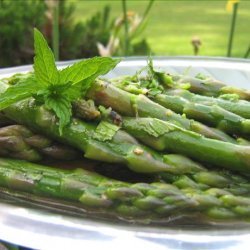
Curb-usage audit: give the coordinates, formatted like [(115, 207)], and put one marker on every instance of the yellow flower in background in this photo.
[(230, 4)]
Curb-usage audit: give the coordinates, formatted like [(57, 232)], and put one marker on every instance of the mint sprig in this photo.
[(56, 89), (44, 61)]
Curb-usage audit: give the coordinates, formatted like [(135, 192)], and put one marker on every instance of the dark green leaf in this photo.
[(23, 89), (44, 61), (154, 127), (67, 90), (62, 108), (85, 72), (105, 131), (71, 91)]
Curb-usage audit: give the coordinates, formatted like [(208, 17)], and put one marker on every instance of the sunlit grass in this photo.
[(172, 24)]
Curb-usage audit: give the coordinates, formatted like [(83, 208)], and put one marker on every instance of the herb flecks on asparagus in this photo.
[(128, 104), (162, 135), (120, 147), (227, 114)]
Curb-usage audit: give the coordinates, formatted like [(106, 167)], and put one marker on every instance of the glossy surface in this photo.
[(47, 226)]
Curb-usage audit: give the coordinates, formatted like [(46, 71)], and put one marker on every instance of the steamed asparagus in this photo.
[(44, 102), (140, 200), (121, 148), (139, 158), (214, 112), (17, 141), (239, 107), (214, 115), (162, 135), (211, 87), (124, 149), (108, 95), (139, 105)]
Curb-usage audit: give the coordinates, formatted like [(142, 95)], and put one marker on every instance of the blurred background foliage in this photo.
[(100, 27)]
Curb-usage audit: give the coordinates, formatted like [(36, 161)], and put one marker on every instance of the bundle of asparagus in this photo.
[(198, 166)]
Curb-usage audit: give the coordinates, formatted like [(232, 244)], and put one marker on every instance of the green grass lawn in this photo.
[(172, 24)]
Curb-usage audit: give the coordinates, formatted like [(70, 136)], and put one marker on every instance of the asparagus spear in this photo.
[(132, 105), (123, 149), (211, 87), (80, 135), (119, 148), (111, 152), (139, 105), (159, 82), (162, 135), (204, 179), (17, 141), (214, 115), (199, 84), (239, 107), (140, 200)]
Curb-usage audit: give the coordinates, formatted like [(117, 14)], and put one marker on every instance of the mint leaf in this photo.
[(69, 90), (153, 127), (87, 68), (85, 72), (105, 131), (44, 61), (23, 89), (62, 108), (160, 77)]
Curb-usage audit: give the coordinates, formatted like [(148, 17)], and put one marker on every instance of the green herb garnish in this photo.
[(105, 131), (57, 89)]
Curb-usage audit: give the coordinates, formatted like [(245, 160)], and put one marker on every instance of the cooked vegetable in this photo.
[(215, 112), (210, 87), (228, 102), (162, 135), (140, 200), (129, 104), (17, 141), (84, 136), (109, 145), (214, 115), (139, 105)]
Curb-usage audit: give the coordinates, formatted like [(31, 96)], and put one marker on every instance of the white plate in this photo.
[(40, 228)]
